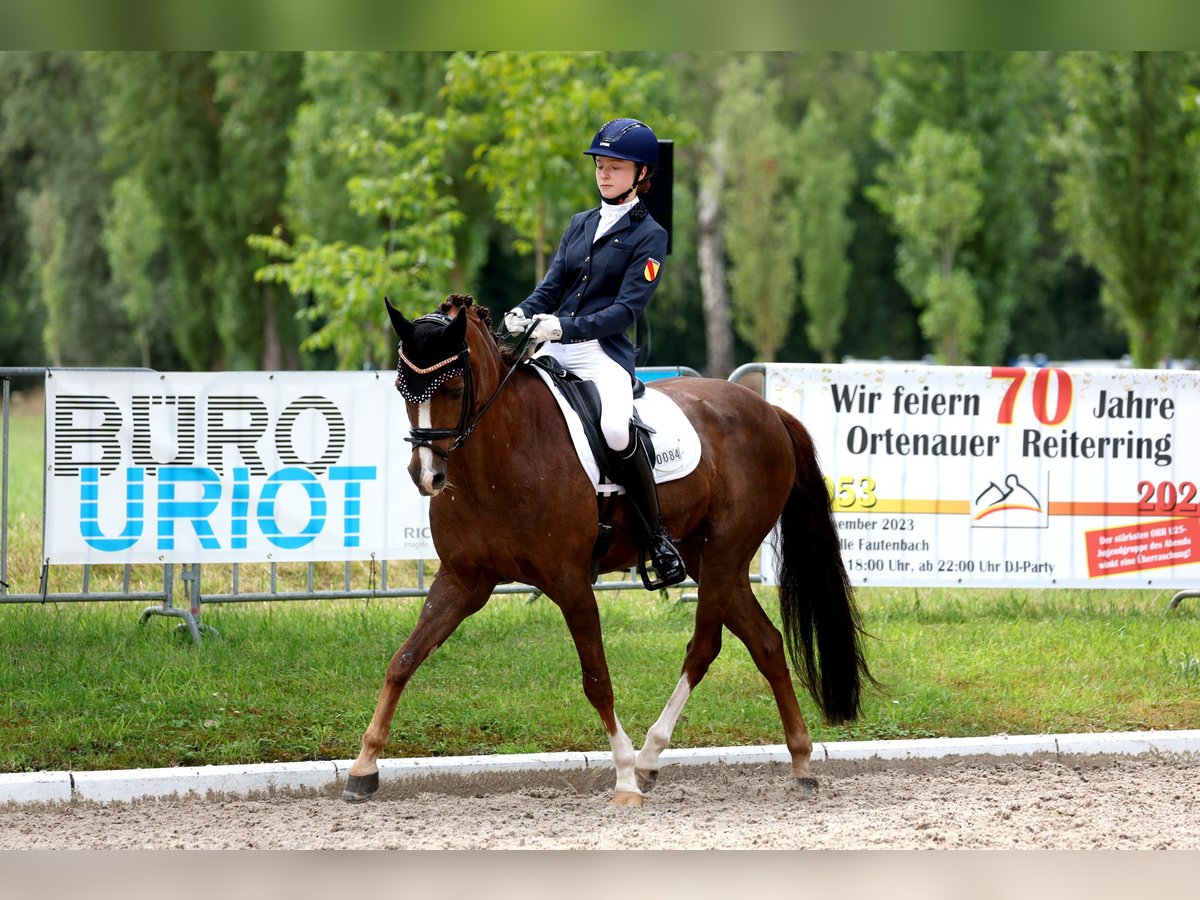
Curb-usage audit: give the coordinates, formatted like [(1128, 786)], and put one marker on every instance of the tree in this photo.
[(933, 196), (700, 167), (207, 136), (257, 94), (761, 221), (132, 236), (21, 319), (49, 135), (523, 115), (401, 172), (161, 124), (1129, 190), (986, 97), (47, 239), (827, 178), (342, 92), (530, 116)]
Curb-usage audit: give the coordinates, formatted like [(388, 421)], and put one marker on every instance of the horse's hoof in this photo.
[(627, 798), (359, 788), (646, 778), (807, 787)]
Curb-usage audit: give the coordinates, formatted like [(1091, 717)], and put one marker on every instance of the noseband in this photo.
[(424, 437)]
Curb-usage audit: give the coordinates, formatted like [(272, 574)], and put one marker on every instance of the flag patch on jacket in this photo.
[(651, 270)]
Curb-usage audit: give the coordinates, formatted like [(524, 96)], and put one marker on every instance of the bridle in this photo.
[(424, 437)]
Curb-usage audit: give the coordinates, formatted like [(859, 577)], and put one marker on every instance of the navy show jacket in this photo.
[(599, 290)]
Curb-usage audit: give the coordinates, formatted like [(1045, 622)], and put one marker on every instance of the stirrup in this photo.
[(674, 573)]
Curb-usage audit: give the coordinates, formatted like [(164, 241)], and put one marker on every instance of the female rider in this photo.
[(601, 279)]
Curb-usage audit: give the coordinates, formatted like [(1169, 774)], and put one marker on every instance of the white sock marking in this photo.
[(659, 734)]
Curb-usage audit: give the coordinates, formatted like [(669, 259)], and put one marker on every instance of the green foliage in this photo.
[(161, 125), (132, 236), (21, 320), (523, 115), (760, 211), (47, 238), (530, 116), (342, 91), (933, 196), (1129, 190), (49, 135), (401, 174), (984, 96), (257, 94), (826, 180), (232, 143)]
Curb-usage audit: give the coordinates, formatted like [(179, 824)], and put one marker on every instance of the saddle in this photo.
[(584, 399)]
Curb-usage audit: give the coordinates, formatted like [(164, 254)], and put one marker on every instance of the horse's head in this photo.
[(448, 360)]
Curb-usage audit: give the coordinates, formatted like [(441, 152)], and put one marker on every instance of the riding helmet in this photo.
[(626, 139)]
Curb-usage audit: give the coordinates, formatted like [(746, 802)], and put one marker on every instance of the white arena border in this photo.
[(200, 781)]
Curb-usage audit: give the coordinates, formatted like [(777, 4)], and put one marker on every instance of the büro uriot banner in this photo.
[(228, 467), (998, 477)]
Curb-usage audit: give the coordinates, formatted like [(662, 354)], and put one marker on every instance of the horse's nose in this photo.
[(429, 481)]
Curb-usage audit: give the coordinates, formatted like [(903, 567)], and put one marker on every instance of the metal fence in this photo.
[(373, 583), (226, 585)]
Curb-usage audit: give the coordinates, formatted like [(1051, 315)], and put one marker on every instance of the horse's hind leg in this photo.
[(747, 620), (450, 600), (702, 649)]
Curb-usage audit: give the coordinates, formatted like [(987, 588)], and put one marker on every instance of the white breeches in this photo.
[(589, 361)]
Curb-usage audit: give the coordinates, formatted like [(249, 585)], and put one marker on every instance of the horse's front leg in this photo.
[(702, 649), (451, 599), (578, 605)]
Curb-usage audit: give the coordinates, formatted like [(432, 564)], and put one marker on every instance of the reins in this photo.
[(424, 437)]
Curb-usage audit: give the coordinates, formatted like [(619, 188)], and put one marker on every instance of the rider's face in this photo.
[(614, 176)]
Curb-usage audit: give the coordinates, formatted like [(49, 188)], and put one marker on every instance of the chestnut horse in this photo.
[(511, 502)]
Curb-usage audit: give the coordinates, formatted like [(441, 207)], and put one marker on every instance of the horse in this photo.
[(511, 503)]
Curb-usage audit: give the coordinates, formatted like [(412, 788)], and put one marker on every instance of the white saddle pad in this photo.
[(676, 444)]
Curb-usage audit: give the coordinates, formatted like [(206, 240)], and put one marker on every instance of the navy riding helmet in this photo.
[(626, 139)]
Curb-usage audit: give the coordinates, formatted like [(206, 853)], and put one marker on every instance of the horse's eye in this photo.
[(454, 391)]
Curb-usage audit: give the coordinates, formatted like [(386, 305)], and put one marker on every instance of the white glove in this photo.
[(546, 327), (515, 321)]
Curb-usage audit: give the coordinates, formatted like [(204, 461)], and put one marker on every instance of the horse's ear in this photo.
[(457, 330), (401, 325)]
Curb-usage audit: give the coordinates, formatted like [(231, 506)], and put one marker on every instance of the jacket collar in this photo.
[(593, 222)]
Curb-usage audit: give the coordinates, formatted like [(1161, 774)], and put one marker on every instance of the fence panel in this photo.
[(1005, 476), (251, 482)]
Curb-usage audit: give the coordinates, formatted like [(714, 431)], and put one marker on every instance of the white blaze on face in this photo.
[(424, 454)]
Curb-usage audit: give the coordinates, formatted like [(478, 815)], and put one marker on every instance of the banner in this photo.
[(228, 467), (1005, 477)]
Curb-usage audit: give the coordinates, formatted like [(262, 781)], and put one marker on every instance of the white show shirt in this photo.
[(611, 212)]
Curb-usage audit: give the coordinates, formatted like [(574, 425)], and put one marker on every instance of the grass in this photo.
[(86, 687)]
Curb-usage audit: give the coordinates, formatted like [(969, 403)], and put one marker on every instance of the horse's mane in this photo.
[(464, 302)]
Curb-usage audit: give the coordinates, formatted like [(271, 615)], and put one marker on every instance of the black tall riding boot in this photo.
[(638, 477)]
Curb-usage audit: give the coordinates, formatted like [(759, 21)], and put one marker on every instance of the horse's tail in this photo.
[(816, 600)]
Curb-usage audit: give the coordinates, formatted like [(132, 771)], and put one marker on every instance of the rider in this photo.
[(601, 279)]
